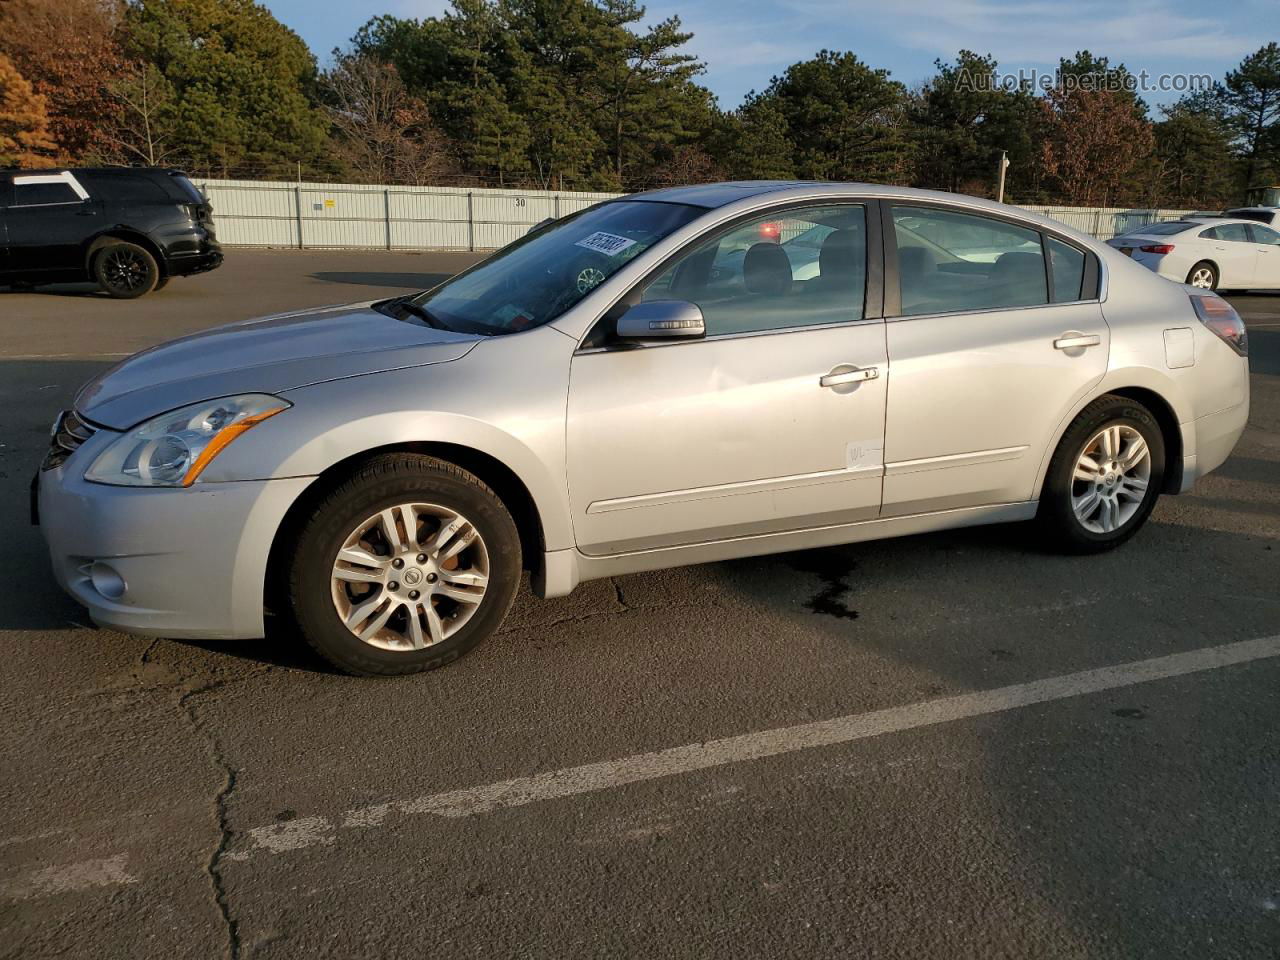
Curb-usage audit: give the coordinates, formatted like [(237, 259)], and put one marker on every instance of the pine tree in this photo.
[(1251, 97)]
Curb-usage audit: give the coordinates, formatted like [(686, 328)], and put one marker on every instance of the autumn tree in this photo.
[(383, 134), (24, 123), (1094, 143), (68, 51)]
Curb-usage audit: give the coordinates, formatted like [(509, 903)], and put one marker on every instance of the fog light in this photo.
[(106, 581)]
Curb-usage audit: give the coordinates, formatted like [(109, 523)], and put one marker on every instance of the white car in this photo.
[(1213, 254)]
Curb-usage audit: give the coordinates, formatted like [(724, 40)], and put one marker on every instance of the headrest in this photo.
[(1014, 265), (843, 255), (766, 269), (916, 261)]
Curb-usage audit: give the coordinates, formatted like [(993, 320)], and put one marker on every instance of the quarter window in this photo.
[(1263, 234), (37, 194), (1068, 270), (799, 267), (950, 261)]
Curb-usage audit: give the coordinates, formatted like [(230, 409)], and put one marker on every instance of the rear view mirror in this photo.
[(662, 320)]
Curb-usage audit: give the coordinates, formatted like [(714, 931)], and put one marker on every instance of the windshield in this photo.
[(539, 277)]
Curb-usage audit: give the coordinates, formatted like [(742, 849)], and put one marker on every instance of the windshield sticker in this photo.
[(512, 316), (610, 244)]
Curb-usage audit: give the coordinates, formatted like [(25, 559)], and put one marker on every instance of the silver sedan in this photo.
[(657, 380)]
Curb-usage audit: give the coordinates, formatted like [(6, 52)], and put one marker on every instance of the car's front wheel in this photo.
[(1104, 477), (125, 270), (404, 566)]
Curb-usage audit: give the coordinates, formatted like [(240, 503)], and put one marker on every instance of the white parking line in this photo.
[(64, 356), (286, 837), (608, 774)]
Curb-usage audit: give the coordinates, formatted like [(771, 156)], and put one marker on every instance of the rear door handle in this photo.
[(1076, 340), (849, 376)]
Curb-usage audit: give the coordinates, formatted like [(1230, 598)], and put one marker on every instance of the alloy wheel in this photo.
[(125, 269), (1111, 478), (410, 576), (1202, 277)]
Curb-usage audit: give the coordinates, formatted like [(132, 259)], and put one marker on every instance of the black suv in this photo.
[(128, 229)]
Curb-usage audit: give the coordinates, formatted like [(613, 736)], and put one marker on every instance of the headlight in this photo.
[(172, 449)]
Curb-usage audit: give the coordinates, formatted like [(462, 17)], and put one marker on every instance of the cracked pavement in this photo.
[(200, 799)]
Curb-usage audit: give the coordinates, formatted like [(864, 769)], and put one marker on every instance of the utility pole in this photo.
[(1004, 165)]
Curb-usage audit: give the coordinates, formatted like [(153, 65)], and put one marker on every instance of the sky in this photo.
[(746, 42)]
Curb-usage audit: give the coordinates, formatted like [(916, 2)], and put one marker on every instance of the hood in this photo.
[(267, 355)]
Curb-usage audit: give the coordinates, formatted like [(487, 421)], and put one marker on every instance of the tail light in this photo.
[(1220, 317), (1157, 248)]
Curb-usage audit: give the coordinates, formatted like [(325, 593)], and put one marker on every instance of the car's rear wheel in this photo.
[(125, 270), (1203, 275), (1104, 478), (404, 566)]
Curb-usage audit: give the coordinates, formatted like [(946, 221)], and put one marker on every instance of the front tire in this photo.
[(125, 270), (1104, 478), (403, 567)]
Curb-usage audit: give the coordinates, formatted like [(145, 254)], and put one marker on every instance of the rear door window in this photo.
[(43, 194), (951, 262), (1233, 232), (1265, 235)]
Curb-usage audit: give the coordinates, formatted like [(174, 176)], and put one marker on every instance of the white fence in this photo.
[(1107, 222), (259, 214)]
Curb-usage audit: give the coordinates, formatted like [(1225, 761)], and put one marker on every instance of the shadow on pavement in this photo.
[(59, 290), (416, 281)]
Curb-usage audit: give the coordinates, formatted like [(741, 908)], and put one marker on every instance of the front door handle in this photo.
[(848, 376), (1074, 340)]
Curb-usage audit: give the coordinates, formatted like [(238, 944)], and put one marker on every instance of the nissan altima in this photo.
[(653, 381)]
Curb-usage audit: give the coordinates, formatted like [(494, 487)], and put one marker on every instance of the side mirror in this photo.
[(662, 320)]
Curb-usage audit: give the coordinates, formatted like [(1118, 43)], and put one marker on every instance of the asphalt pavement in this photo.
[(953, 745)]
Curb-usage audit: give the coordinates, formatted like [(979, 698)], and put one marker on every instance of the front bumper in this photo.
[(192, 561)]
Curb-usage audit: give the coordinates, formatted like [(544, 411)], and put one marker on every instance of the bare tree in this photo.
[(143, 129), (384, 134), (1095, 142)]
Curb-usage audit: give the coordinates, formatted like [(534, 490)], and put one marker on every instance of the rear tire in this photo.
[(1203, 275), (391, 611), (125, 270), (1094, 497)]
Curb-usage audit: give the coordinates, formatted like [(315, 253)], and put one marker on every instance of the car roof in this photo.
[(1193, 223), (167, 171), (712, 195)]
